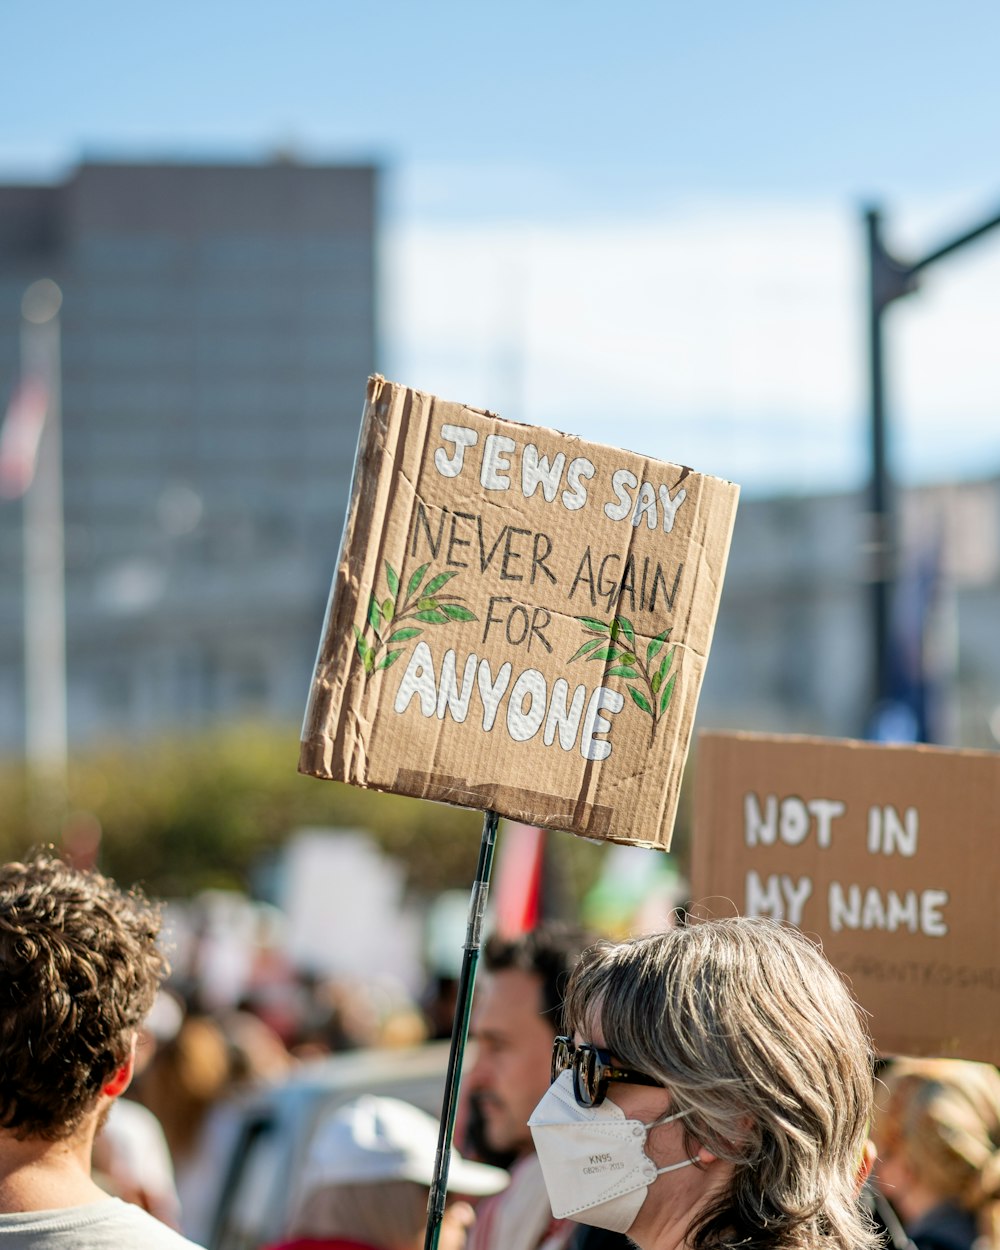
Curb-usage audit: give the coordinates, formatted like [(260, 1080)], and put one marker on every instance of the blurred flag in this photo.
[(518, 883), (915, 710), (21, 435)]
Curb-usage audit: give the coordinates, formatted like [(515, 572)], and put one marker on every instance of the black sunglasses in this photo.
[(592, 1070)]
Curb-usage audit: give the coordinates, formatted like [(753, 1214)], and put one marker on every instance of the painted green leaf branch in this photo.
[(378, 637), (614, 643)]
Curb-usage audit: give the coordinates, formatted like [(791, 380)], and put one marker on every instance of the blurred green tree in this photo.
[(184, 814)]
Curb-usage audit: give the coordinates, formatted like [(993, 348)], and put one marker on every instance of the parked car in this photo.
[(266, 1134)]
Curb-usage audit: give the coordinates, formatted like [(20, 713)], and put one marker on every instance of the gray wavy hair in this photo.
[(764, 1051)]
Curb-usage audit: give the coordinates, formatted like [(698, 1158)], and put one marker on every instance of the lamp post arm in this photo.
[(954, 244)]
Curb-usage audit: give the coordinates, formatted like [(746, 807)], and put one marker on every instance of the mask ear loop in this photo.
[(669, 1119), (673, 1167), (665, 1119)]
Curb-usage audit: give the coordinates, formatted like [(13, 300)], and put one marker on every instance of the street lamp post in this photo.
[(889, 279)]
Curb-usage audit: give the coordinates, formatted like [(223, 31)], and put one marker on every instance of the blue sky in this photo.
[(639, 224)]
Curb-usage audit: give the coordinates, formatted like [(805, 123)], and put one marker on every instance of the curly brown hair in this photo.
[(79, 968)]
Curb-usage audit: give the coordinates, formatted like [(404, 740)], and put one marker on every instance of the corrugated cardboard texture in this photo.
[(519, 621), (886, 853)]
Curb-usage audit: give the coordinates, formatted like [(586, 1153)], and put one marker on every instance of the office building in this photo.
[(218, 325)]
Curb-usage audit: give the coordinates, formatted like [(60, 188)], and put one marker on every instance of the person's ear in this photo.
[(119, 1081), (867, 1161), (706, 1156)]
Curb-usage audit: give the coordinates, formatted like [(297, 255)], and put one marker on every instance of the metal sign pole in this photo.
[(460, 1028)]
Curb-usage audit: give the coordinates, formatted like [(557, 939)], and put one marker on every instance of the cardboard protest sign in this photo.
[(519, 620), (886, 853)]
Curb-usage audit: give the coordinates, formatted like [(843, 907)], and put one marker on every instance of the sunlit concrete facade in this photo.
[(793, 649)]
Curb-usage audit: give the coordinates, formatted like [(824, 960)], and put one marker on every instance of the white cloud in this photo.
[(726, 336)]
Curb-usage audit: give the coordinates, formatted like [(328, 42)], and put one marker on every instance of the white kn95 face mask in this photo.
[(593, 1159)]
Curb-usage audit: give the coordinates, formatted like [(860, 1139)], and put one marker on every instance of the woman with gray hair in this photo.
[(713, 1090)]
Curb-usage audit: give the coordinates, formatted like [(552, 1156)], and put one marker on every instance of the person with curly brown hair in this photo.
[(79, 968)]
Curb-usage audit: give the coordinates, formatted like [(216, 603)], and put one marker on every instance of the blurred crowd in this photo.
[(166, 1140), (935, 1186), (644, 1087)]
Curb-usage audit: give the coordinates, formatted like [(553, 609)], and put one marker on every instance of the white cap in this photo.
[(384, 1139)]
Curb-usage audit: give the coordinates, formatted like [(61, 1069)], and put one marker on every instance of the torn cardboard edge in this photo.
[(484, 564)]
